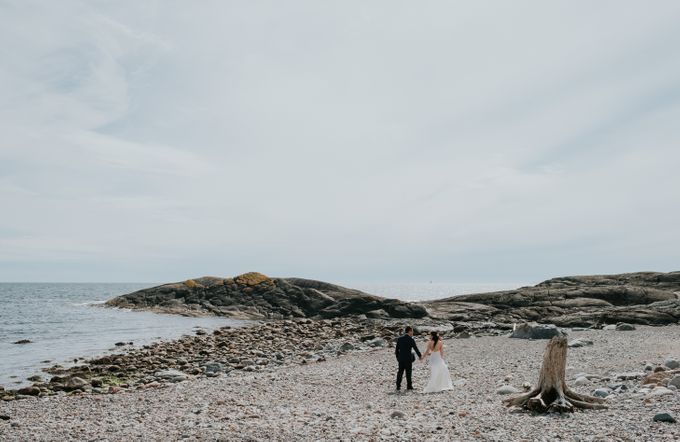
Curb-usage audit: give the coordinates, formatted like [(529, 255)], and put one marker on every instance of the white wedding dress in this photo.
[(440, 379)]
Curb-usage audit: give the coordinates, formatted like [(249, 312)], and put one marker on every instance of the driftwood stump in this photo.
[(552, 394)]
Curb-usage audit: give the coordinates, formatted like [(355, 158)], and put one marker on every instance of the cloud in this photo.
[(156, 141)]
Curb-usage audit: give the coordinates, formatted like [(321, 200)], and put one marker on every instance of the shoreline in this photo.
[(350, 395)]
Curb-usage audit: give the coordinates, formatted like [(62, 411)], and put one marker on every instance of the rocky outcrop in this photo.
[(577, 301), (256, 296)]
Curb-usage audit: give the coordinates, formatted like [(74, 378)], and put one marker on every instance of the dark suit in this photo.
[(403, 353)]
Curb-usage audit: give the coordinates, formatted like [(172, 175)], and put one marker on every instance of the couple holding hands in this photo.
[(440, 379)]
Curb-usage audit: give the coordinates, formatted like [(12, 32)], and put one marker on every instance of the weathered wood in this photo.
[(552, 393)]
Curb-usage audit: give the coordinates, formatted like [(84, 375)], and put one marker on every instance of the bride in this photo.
[(440, 379)]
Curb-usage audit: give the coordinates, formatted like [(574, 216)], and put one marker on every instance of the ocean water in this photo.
[(63, 320), (419, 291)]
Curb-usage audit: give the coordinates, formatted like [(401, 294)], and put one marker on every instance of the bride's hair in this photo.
[(435, 339)]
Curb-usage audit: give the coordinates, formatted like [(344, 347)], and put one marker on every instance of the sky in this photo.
[(345, 141)]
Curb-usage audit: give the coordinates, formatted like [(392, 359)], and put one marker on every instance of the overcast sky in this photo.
[(344, 141)]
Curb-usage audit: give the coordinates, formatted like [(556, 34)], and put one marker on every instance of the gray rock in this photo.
[(346, 347), (29, 391), (609, 327), (171, 375), (576, 343), (397, 415), (602, 392), (622, 326), (463, 335), (377, 314), (23, 341), (212, 367), (664, 417), (76, 383), (671, 363), (582, 381), (532, 330), (377, 342), (507, 389), (675, 382)]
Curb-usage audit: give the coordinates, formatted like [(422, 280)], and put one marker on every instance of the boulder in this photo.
[(29, 391), (533, 330), (76, 383)]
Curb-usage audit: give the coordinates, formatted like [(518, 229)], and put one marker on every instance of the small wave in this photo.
[(86, 303)]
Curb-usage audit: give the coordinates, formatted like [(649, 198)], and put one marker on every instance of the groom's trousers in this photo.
[(408, 368)]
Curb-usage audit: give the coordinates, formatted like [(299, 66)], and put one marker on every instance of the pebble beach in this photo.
[(351, 396)]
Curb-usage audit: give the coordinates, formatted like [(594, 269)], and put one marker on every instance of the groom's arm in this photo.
[(396, 349), (415, 347)]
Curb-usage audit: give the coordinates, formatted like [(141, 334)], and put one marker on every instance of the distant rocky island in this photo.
[(256, 296), (651, 298)]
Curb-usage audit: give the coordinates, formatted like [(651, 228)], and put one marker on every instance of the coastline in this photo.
[(349, 395)]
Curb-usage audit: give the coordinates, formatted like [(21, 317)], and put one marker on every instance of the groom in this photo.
[(403, 352)]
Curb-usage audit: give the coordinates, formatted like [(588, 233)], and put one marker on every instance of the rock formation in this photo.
[(256, 296), (576, 301)]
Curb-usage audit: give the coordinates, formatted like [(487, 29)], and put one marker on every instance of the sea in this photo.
[(65, 321)]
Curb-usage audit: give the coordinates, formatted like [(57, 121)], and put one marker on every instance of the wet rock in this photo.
[(29, 391), (36, 378), (4, 417), (23, 341)]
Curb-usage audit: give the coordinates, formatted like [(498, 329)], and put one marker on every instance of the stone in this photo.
[(377, 342), (397, 415), (675, 381), (609, 327), (576, 343), (532, 330), (212, 368), (29, 391), (76, 383), (4, 417), (622, 326), (23, 341), (671, 363), (96, 383), (507, 389), (377, 314), (602, 392), (171, 375), (463, 335), (664, 417), (35, 378), (582, 381), (346, 347)]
